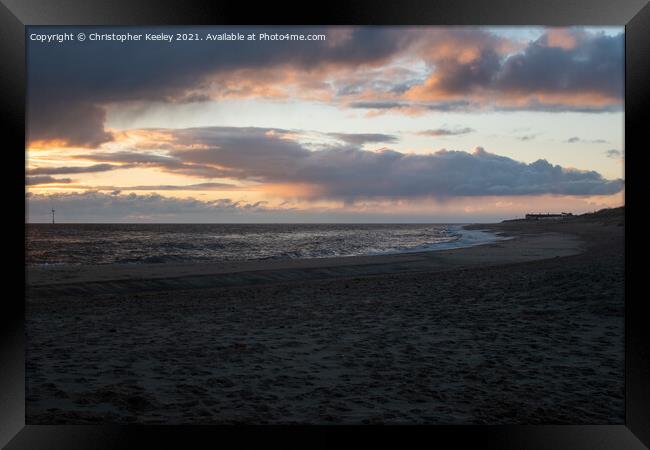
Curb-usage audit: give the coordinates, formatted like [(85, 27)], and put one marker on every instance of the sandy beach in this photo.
[(524, 330)]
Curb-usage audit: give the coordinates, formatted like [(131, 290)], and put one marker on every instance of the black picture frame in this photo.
[(16, 14)]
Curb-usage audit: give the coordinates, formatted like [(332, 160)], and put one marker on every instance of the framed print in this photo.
[(339, 221)]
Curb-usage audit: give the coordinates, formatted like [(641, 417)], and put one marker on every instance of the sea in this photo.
[(56, 244)]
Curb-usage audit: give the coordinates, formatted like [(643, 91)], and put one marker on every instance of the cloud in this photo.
[(349, 173), (575, 139), (75, 122), (383, 80), (527, 137), (344, 170), (70, 85), (414, 108), (363, 138), (445, 132), (584, 76), (76, 169), (32, 181), (169, 187), (116, 207), (457, 77), (97, 206), (182, 187), (592, 65), (128, 159), (613, 153), (408, 70)]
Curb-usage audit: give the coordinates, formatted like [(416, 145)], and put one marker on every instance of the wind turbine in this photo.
[(52, 216)]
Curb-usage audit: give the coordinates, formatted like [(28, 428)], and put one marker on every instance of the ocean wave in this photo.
[(116, 244)]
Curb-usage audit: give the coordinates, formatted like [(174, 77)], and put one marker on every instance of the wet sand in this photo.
[(526, 330)]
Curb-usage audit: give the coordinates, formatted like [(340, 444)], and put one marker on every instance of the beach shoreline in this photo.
[(495, 251), (525, 330)]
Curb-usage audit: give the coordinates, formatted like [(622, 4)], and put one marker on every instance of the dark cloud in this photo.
[(613, 153), (75, 169), (69, 84), (593, 65), (585, 75), (455, 105), (446, 131), (128, 159), (350, 173), (31, 181), (454, 77), (527, 137), (364, 138), (75, 122), (532, 105), (378, 105), (535, 105), (347, 171), (575, 139)]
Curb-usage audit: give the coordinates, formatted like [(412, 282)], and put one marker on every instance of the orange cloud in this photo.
[(291, 191), (47, 144), (562, 38)]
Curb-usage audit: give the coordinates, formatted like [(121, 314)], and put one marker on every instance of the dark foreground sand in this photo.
[(528, 330)]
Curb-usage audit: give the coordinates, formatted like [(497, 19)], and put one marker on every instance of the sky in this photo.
[(360, 124)]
